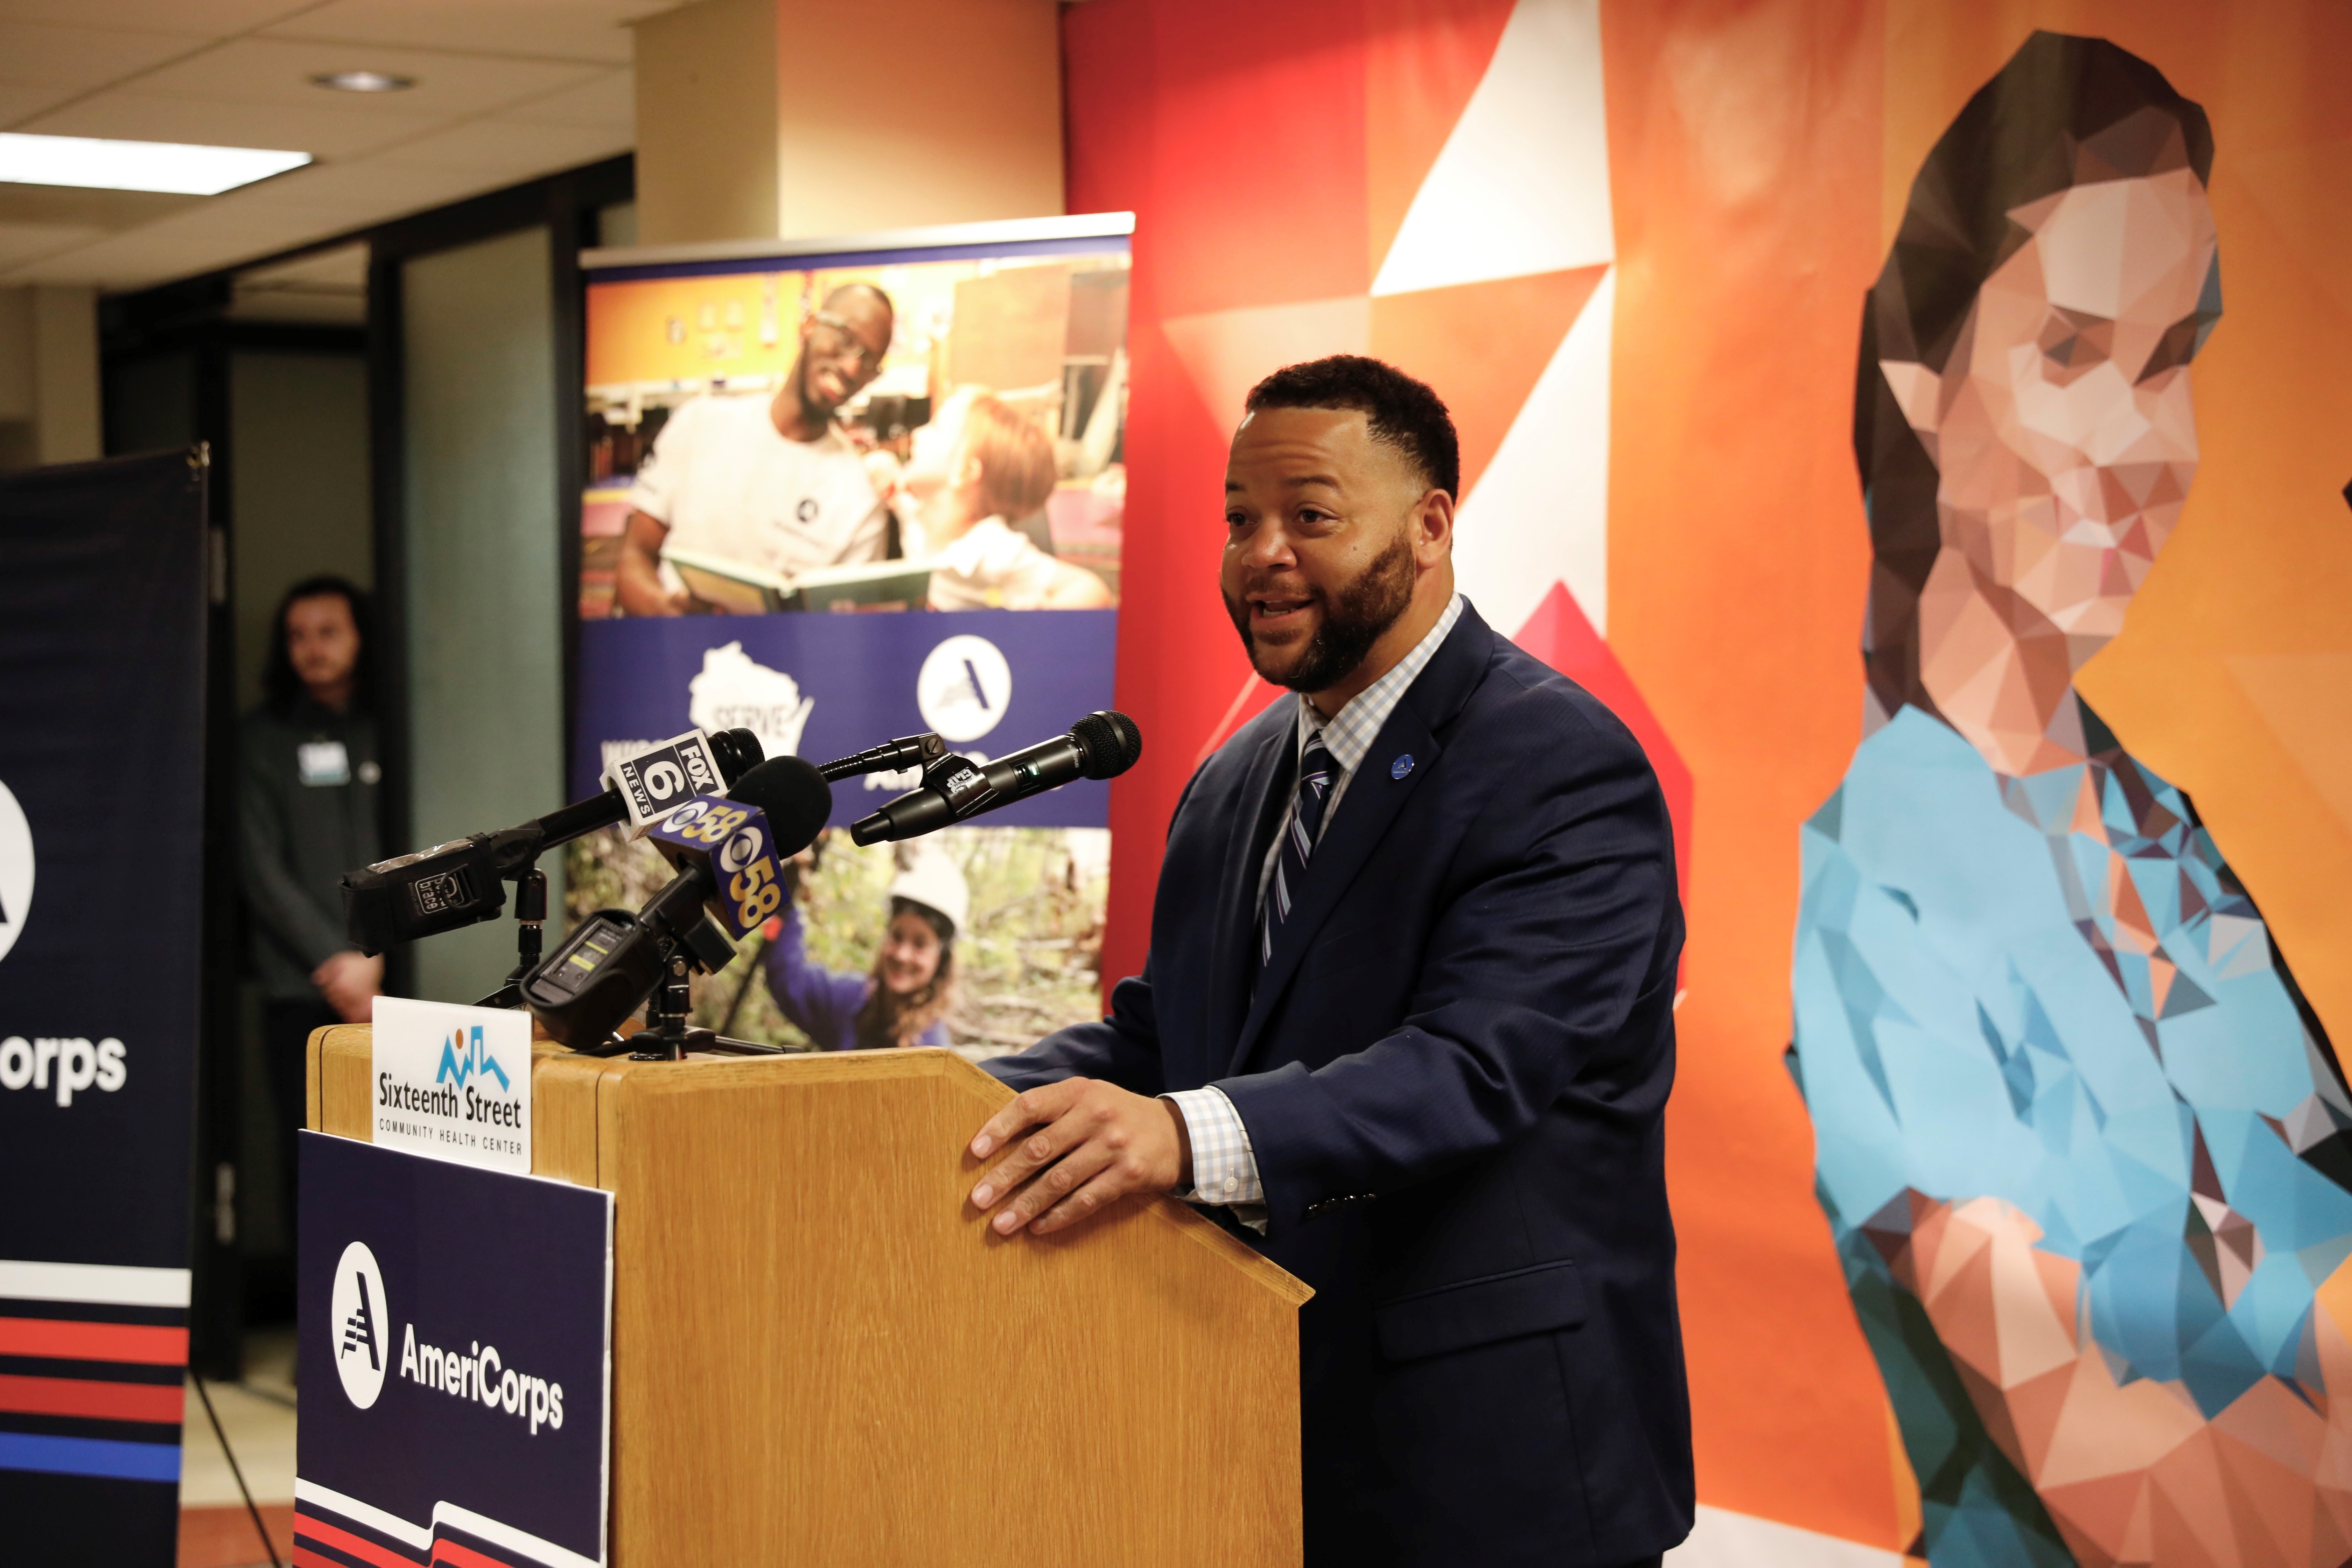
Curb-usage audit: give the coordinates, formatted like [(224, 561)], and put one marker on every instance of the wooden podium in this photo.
[(821, 1354)]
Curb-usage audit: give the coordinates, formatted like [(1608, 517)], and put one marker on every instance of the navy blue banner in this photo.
[(455, 1329), (824, 686), (102, 609)]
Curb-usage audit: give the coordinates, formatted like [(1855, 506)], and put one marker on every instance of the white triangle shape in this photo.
[(1226, 353), (1522, 184), (1539, 513)]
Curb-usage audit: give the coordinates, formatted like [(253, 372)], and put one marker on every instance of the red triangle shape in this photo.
[(1559, 635)]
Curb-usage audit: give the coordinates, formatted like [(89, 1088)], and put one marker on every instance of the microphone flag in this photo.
[(655, 781), (733, 842)]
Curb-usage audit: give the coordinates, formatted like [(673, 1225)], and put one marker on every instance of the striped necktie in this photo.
[(1317, 774)]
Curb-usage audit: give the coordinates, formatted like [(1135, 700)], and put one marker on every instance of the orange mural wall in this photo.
[(1758, 157), (1744, 147)]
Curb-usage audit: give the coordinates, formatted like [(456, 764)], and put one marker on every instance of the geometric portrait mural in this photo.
[(2084, 1147)]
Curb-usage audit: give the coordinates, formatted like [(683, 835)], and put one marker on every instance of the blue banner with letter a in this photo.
[(456, 1330), (102, 609)]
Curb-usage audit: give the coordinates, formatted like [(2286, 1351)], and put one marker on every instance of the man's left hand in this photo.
[(1094, 1143)]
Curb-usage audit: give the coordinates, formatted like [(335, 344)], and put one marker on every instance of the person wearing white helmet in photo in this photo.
[(903, 1000)]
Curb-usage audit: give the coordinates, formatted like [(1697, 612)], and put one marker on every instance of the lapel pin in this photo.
[(1402, 766)]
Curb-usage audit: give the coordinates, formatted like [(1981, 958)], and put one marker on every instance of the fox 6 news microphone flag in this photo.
[(103, 607)]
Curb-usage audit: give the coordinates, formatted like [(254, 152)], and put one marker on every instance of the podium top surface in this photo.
[(581, 1105)]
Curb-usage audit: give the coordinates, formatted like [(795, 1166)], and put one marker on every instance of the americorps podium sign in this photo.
[(455, 1361), (452, 1083)]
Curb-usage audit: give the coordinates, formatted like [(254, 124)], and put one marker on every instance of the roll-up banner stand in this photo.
[(845, 489), (103, 607)]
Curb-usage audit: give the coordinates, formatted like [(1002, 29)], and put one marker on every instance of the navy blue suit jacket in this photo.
[(1453, 1071)]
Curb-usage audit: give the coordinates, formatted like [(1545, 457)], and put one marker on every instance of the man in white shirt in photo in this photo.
[(766, 483)]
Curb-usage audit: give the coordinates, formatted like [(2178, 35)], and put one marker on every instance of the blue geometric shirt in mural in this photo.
[(2052, 990)]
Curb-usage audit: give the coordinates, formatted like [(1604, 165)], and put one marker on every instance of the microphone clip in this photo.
[(890, 756), (959, 780)]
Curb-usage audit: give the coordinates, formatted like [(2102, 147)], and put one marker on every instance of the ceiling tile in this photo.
[(275, 71), (345, 267), (108, 212), (503, 152), (38, 55), (178, 246), (609, 103), (18, 102), (325, 286), (22, 242), (188, 18), (542, 29), (322, 130), (373, 191)]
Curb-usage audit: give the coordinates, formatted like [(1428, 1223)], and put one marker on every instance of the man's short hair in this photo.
[(1401, 411)]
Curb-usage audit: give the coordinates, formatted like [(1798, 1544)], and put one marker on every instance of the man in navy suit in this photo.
[(1407, 1024)]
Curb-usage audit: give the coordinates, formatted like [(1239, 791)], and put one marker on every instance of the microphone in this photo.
[(906, 752), (773, 813), (729, 851), (459, 883), (1102, 745)]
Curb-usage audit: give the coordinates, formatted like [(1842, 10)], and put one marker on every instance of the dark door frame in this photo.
[(192, 317)]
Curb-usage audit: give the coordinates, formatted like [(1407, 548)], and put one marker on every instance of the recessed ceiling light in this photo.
[(364, 81), (175, 166)]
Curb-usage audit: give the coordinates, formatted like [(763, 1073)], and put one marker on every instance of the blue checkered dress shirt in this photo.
[(1224, 1170)]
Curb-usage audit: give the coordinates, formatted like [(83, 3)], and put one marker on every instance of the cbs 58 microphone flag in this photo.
[(103, 607)]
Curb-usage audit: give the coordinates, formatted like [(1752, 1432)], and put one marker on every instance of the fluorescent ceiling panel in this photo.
[(175, 166)]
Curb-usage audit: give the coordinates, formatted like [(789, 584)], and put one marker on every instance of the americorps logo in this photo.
[(59, 1063), (480, 1373), (964, 687), (358, 1320), (15, 869), (356, 1316)]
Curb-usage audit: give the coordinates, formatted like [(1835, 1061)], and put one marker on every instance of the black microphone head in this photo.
[(1110, 741), (737, 752), (794, 796)]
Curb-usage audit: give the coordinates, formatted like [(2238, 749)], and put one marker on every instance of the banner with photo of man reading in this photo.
[(844, 492)]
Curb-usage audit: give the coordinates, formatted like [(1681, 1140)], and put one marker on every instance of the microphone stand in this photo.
[(668, 1035), (531, 914), (531, 919)]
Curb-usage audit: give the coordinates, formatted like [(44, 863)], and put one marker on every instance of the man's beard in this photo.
[(1353, 620), (814, 409)]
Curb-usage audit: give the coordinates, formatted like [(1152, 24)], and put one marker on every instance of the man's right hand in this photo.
[(637, 582), (349, 982), (1095, 1142)]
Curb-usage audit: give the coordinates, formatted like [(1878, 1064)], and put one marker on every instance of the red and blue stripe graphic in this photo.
[(92, 1361), (332, 1530)]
